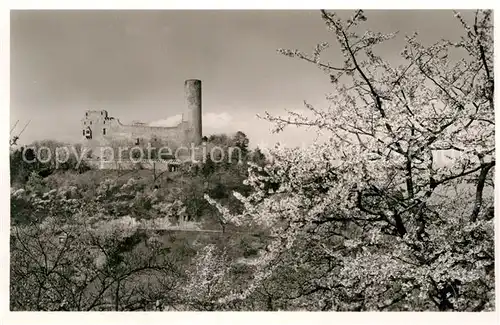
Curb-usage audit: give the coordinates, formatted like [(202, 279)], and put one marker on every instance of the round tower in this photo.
[(192, 88)]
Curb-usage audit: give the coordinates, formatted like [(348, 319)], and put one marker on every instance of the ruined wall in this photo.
[(101, 130)]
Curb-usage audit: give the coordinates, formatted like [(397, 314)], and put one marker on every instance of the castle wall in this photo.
[(100, 130), (173, 136)]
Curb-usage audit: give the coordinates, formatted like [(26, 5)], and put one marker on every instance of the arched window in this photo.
[(103, 131)]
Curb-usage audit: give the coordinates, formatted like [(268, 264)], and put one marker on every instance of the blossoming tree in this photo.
[(394, 211)]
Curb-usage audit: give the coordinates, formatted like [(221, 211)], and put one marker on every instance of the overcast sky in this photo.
[(134, 63)]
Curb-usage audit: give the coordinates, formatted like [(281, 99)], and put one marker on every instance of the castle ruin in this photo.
[(99, 129)]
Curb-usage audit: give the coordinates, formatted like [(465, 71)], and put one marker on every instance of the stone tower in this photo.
[(192, 116)]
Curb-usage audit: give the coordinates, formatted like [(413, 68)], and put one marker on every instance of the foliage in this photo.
[(83, 264), (111, 240), (375, 217), (56, 157)]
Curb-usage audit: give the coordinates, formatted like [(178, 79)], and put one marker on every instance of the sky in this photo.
[(134, 63)]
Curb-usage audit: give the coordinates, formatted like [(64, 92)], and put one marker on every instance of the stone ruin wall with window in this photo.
[(99, 129)]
